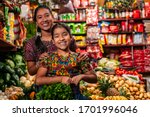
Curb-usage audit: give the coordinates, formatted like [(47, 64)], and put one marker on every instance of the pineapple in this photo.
[(107, 88)]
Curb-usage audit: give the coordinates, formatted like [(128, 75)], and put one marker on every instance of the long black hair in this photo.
[(38, 41)]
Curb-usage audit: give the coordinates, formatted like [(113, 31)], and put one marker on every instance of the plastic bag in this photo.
[(67, 8)]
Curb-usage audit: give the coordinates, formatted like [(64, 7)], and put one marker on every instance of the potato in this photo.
[(117, 86), (148, 94), (141, 95), (121, 82), (145, 95), (137, 93), (115, 78), (135, 89), (131, 89)]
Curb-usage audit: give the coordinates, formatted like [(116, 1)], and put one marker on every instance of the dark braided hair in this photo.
[(38, 41)]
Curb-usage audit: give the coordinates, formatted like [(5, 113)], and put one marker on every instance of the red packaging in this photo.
[(127, 63), (147, 61), (140, 68), (147, 9), (130, 27), (124, 25), (136, 13), (138, 52), (139, 63), (129, 39), (140, 27), (147, 51), (92, 16), (113, 28)]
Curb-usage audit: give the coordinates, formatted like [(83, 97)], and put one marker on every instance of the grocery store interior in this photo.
[(114, 33)]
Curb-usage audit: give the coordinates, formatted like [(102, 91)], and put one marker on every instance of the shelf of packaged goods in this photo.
[(77, 8), (123, 19), (125, 45), (122, 32), (79, 34), (116, 32), (6, 46), (70, 21)]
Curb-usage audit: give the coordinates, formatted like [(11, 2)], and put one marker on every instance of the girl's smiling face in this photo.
[(61, 38), (44, 19)]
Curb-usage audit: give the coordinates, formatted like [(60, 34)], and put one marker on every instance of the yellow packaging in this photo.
[(124, 36), (119, 39)]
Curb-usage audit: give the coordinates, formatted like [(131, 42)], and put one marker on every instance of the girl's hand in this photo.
[(43, 55), (82, 57), (65, 80), (76, 79)]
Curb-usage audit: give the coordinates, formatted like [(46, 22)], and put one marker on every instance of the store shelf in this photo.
[(125, 45), (79, 34), (81, 46), (80, 8), (6, 46), (110, 19), (116, 32), (70, 21), (77, 8), (123, 19)]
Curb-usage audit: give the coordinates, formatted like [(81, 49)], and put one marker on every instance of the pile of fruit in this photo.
[(113, 87)]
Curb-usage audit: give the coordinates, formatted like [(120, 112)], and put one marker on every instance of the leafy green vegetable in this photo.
[(57, 91), (1, 65), (8, 69), (10, 63)]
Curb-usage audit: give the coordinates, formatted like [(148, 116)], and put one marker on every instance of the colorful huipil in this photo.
[(59, 65)]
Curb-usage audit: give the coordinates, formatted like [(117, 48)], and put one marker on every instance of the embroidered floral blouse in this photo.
[(65, 66)]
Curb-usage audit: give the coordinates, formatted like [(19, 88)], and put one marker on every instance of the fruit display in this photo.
[(114, 87), (128, 88)]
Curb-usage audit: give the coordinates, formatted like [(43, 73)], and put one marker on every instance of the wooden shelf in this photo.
[(77, 8), (123, 19), (6, 46), (70, 21), (78, 34), (81, 46), (116, 32), (125, 45)]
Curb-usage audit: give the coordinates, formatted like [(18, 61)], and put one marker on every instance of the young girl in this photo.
[(63, 66)]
